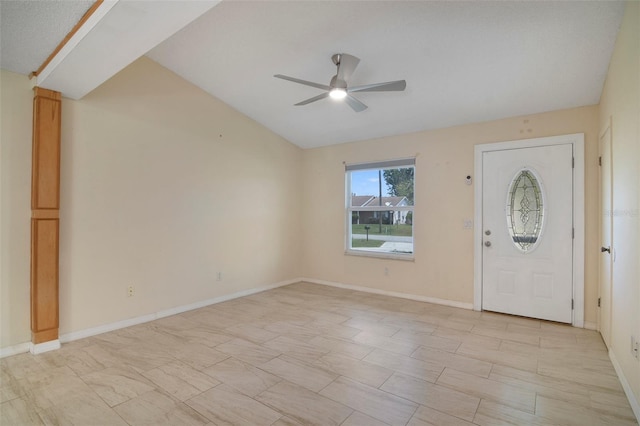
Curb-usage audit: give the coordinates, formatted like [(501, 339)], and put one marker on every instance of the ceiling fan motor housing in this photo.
[(336, 83)]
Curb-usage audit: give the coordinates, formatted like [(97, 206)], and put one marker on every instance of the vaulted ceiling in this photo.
[(463, 62)]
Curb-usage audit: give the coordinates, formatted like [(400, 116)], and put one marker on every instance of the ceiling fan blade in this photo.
[(355, 104), (347, 66), (389, 86), (305, 82), (315, 98)]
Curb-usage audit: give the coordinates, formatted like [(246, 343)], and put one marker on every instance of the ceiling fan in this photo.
[(338, 88)]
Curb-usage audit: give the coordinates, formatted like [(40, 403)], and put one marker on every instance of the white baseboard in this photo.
[(20, 348), (40, 348), (75, 335), (434, 300), (81, 334), (633, 401)]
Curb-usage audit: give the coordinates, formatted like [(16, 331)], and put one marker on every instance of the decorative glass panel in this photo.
[(525, 210)]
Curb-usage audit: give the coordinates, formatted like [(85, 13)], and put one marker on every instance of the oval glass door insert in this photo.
[(525, 210)]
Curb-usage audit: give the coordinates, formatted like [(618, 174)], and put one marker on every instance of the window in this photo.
[(525, 210), (379, 215)]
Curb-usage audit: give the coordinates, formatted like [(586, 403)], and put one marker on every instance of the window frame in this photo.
[(349, 209)]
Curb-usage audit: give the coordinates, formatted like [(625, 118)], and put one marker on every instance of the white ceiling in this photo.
[(464, 62)]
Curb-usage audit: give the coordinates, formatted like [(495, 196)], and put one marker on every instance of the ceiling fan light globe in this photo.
[(338, 93)]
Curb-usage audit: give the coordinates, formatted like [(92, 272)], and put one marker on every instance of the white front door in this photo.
[(527, 220)]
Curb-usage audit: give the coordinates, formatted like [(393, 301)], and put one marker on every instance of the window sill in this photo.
[(381, 255)]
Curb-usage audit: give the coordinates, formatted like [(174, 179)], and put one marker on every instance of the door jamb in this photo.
[(577, 141)]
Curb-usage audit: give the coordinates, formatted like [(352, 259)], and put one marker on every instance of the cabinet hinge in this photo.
[(600, 161), (573, 162), (598, 302), (571, 304), (573, 233)]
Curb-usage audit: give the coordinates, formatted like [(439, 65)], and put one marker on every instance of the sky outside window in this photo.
[(365, 182)]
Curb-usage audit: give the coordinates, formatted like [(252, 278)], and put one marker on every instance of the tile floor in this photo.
[(312, 355)]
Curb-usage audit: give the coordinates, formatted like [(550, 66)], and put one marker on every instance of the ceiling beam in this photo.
[(111, 35)]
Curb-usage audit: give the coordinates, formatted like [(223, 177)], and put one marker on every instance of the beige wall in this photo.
[(15, 207), (621, 102), (162, 187), (443, 266)]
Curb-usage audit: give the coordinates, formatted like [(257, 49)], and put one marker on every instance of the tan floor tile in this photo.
[(531, 337), (87, 411), (367, 349), (141, 357), (202, 335), (410, 324), (83, 361), (286, 421), (10, 388), (304, 406), (520, 361), (328, 328), (579, 375), (300, 373), (247, 351), (570, 414), (615, 403), (512, 396), (56, 387), (117, 385), (223, 405), (295, 348), (196, 355), (359, 419), (387, 343), (295, 331), (374, 327), (156, 408), (487, 316), (180, 381), (21, 366), (19, 412), (425, 370), (468, 337), (426, 416), (441, 398), (492, 414), (558, 388), (546, 330), (243, 377), (371, 401), (251, 333), (361, 371), (457, 362), (427, 340), (340, 346)]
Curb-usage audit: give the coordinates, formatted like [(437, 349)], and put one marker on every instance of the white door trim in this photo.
[(577, 141)]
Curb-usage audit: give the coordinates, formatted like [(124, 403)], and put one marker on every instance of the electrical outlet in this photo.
[(130, 291), (219, 276), (386, 271)]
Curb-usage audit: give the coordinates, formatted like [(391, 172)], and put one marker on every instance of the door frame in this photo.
[(601, 206), (577, 142)]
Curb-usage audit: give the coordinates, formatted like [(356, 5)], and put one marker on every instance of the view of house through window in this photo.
[(380, 207)]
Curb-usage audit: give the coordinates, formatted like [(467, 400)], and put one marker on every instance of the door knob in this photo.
[(487, 243), (607, 249)]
